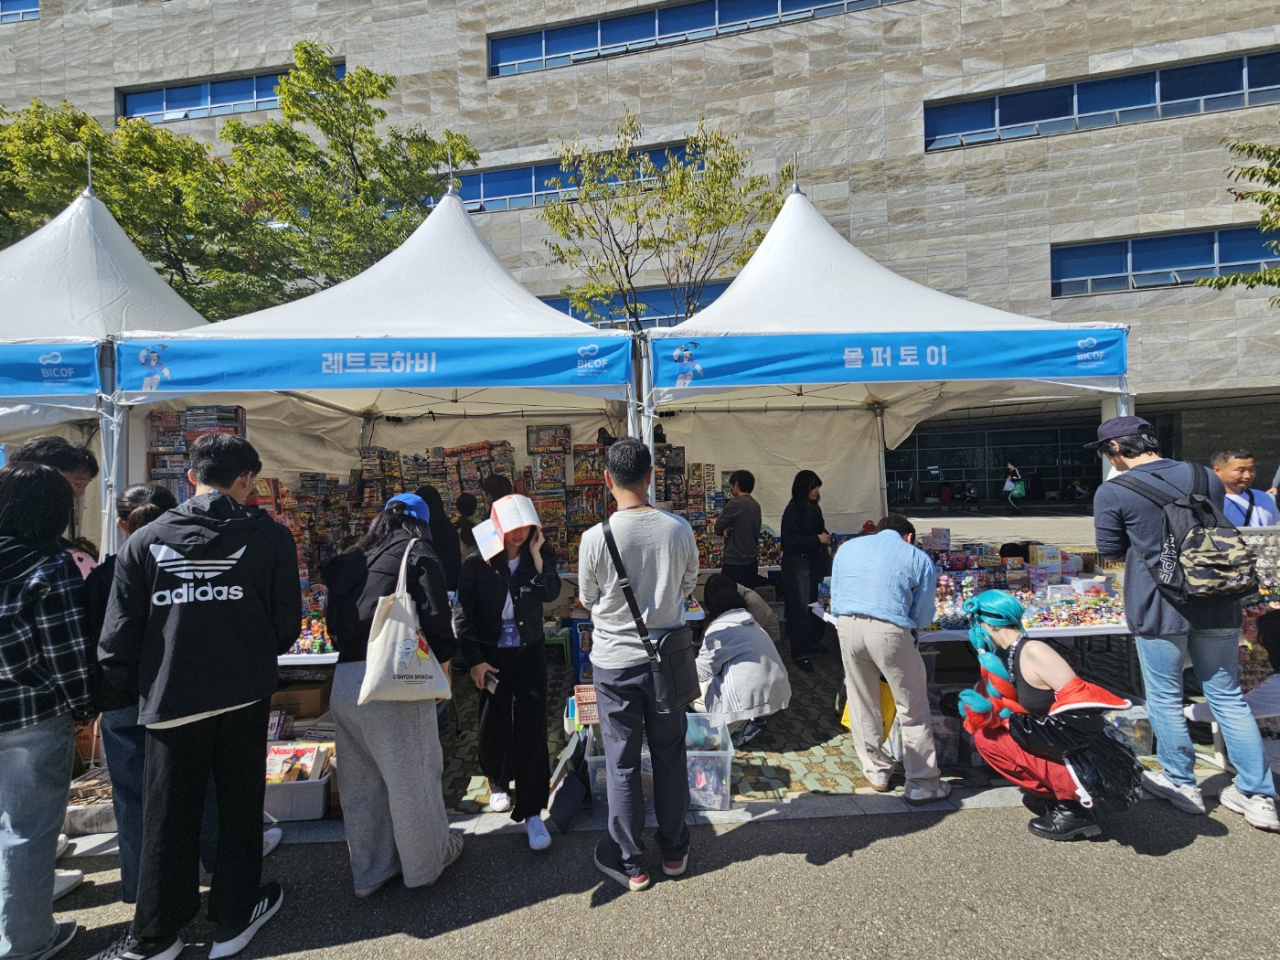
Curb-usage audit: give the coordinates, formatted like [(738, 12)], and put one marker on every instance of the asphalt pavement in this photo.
[(967, 884)]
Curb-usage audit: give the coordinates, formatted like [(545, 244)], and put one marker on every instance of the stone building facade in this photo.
[(846, 93)]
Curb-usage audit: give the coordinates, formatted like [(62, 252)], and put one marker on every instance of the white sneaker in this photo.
[(539, 839), (1186, 798), (1258, 811), (499, 802), (64, 881), (129, 947), (64, 843), (271, 838), (918, 796)]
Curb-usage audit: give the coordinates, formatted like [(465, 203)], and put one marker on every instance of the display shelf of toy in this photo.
[(171, 432)]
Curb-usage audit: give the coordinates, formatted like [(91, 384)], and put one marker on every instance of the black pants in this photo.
[(800, 578), (231, 747), (628, 711), (746, 574), (513, 727)]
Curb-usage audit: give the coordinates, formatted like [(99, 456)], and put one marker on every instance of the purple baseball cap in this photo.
[(1118, 427)]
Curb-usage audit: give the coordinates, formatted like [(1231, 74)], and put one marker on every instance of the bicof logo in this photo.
[(590, 365), (51, 368), (1088, 354), (171, 561)]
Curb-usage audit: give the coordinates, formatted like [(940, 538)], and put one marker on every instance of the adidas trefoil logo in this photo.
[(171, 561)]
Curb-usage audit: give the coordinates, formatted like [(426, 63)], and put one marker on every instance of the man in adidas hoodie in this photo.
[(204, 600)]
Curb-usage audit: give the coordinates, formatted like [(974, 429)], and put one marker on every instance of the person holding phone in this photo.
[(499, 626)]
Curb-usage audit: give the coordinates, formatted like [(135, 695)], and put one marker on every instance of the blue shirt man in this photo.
[(885, 577), (882, 591)]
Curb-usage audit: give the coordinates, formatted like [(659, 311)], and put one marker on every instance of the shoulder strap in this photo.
[(1199, 481), (627, 592), (402, 584), (1158, 497)]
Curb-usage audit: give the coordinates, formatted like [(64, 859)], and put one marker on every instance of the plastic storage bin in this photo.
[(300, 800), (710, 776)]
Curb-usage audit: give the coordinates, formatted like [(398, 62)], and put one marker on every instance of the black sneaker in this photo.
[(63, 934), (1066, 820), (129, 947), (227, 941), (609, 863)]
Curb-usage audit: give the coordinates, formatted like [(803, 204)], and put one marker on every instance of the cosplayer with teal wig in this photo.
[(1041, 726)]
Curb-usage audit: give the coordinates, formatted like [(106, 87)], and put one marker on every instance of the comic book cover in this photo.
[(551, 511), (584, 506), (588, 463), (548, 471), (547, 439)]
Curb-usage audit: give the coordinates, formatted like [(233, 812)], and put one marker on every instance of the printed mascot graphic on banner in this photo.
[(155, 369), (685, 364)]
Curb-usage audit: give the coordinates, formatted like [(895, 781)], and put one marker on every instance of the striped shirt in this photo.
[(44, 667)]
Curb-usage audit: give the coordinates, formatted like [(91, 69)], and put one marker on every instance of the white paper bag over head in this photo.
[(509, 513)]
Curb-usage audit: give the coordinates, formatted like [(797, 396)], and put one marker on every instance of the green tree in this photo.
[(697, 214), (1261, 167), (342, 200), (285, 215)]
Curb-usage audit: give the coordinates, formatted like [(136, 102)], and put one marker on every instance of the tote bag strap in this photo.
[(402, 584)]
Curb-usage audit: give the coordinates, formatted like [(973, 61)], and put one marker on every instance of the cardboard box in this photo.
[(303, 701), (1045, 554)]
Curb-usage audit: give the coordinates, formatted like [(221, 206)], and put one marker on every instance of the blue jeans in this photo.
[(35, 775), (1214, 659), (124, 743)]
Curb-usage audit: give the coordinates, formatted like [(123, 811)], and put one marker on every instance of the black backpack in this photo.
[(1203, 557)]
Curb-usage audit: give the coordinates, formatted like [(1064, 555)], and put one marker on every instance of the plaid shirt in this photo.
[(44, 643)]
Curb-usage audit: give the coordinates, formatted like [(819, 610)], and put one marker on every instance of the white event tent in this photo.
[(818, 357), (65, 291), (437, 344)]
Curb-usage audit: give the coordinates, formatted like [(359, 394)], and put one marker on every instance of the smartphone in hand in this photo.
[(491, 682)]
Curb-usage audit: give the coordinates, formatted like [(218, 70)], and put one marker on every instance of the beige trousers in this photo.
[(872, 648)]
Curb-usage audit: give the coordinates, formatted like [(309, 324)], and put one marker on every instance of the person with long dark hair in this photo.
[(392, 764), (500, 629), (804, 564), (123, 739), (44, 687), (444, 538), (466, 505)]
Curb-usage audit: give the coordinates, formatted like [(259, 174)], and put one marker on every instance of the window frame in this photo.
[(207, 107), (1132, 279), (17, 14), (785, 11), (1247, 95)]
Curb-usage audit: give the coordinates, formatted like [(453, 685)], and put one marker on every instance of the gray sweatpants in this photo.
[(389, 769)]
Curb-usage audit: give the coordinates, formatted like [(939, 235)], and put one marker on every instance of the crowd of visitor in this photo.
[(174, 642)]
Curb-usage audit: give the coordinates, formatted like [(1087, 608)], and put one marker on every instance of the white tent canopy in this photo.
[(808, 282), (438, 327), (816, 354), (69, 286)]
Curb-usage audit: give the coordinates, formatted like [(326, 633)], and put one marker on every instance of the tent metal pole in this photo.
[(649, 412), (884, 475), (114, 440)]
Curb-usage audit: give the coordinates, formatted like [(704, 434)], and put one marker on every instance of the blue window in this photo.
[(1116, 93), (1164, 260), (1202, 80), (1129, 98), (526, 186), (624, 33), (215, 98), (11, 11), (661, 306)]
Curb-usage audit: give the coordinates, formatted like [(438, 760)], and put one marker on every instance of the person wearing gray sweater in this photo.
[(1128, 525), (739, 667)]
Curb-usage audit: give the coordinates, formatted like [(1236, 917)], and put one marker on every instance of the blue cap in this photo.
[(414, 506)]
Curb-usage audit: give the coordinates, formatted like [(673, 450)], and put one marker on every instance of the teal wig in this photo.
[(998, 609)]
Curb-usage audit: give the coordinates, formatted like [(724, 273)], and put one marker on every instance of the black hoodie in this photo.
[(204, 600), (357, 580)]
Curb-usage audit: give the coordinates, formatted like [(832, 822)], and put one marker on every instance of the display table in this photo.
[(1061, 633), (307, 659)]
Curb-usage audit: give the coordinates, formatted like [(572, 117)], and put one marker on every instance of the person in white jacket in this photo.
[(742, 675)]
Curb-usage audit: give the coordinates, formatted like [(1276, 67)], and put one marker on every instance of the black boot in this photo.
[(1066, 820)]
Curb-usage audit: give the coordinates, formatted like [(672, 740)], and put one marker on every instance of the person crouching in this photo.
[(1042, 727)]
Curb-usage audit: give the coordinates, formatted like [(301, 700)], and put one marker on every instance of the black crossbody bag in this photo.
[(672, 658)]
